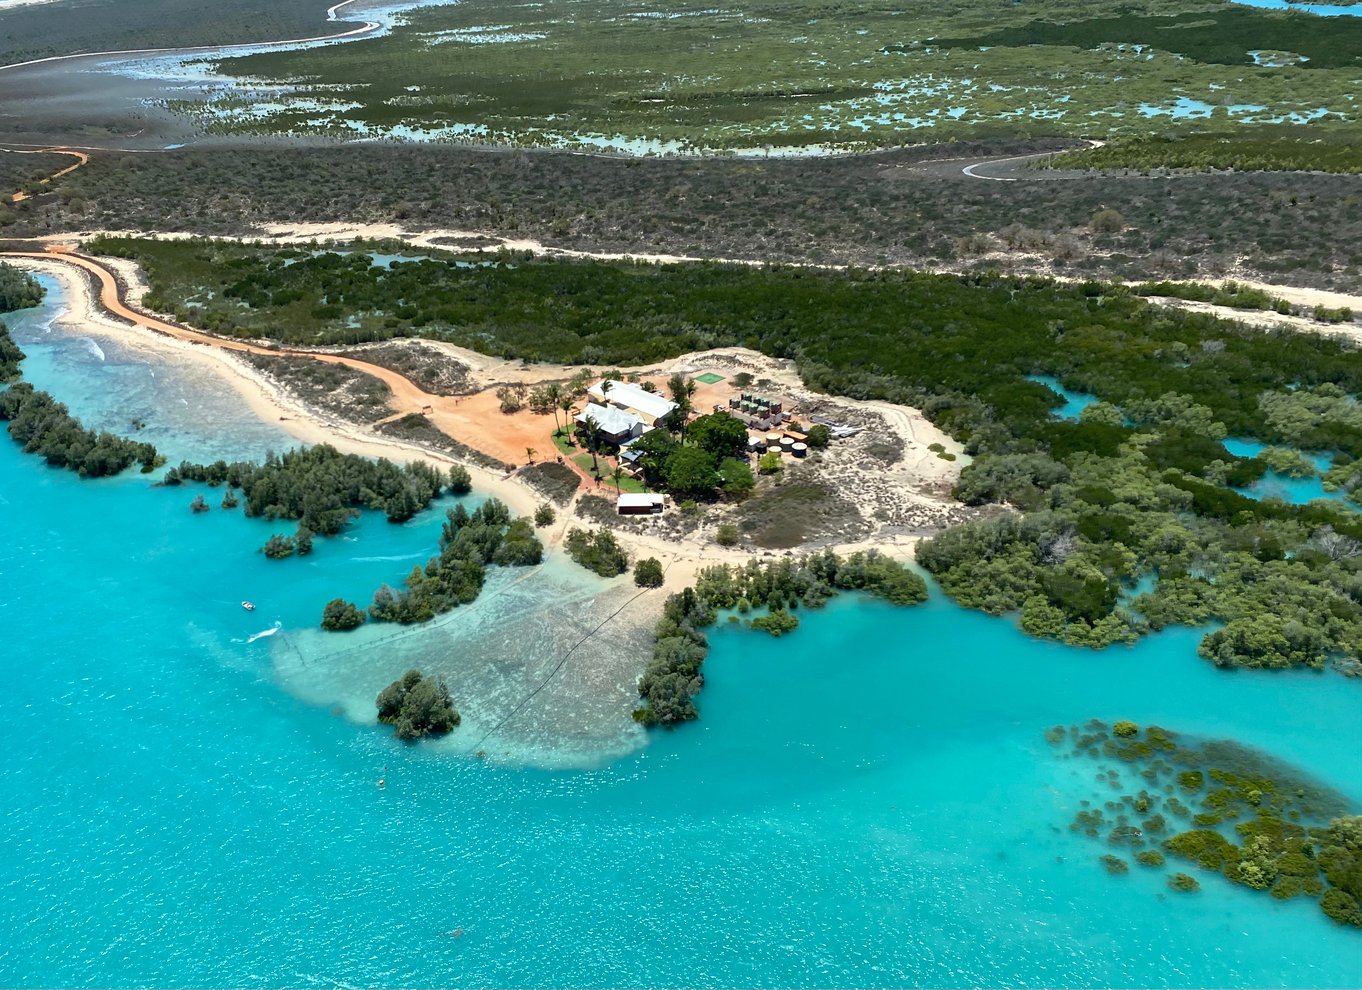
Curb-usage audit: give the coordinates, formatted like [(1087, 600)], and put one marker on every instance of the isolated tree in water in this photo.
[(416, 705)]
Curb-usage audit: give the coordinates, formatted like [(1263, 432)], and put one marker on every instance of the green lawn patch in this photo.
[(710, 378)]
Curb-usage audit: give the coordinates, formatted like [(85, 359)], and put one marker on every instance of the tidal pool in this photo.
[(1074, 401), (1319, 9)]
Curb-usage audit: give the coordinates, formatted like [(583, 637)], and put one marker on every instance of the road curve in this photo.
[(407, 397), (366, 28), (970, 169), (80, 156), (440, 410)]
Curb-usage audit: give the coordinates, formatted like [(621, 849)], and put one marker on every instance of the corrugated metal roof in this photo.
[(611, 420), (635, 397)]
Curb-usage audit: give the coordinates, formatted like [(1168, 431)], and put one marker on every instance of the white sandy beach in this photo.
[(262, 396)]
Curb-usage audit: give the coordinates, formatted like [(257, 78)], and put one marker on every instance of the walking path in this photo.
[(80, 159)]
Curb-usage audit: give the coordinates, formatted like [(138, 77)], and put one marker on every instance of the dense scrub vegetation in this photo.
[(868, 209), (321, 487), (672, 678), (42, 425), (469, 544), (344, 391), (1222, 808), (416, 706), (415, 428), (1265, 149), (554, 481)]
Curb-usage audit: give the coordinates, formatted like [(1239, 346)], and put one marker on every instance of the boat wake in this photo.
[(265, 632)]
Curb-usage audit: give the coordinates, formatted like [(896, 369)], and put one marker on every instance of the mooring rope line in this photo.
[(554, 672)]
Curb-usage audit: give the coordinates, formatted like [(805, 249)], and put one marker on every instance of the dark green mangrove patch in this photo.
[(18, 289), (1225, 36), (11, 355), (597, 550), (324, 489), (416, 706), (42, 425), (1218, 806), (469, 544), (672, 679)]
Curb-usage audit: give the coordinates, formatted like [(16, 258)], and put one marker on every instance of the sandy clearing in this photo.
[(1267, 320)]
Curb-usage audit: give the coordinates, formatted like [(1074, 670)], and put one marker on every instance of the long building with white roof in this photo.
[(649, 406)]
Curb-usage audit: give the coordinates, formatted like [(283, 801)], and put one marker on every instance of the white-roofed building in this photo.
[(629, 504), (617, 425), (649, 406)]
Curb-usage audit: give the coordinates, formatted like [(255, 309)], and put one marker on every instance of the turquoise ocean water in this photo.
[(869, 802)]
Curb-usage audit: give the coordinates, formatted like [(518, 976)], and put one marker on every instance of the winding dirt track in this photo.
[(406, 397), (446, 413), (80, 157)]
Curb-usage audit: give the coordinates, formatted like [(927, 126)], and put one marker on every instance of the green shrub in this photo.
[(597, 550), (1183, 883), (778, 622), (417, 706), (818, 436), (727, 535), (278, 546), (648, 573), (340, 615)]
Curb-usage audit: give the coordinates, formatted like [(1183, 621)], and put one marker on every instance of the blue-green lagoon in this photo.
[(868, 802)]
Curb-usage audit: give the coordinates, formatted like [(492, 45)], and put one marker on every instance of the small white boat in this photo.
[(248, 606)]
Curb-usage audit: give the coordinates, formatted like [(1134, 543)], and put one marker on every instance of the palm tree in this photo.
[(616, 473), (565, 403), (554, 393), (681, 389), (593, 440), (606, 386), (529, 454)]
